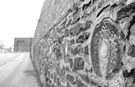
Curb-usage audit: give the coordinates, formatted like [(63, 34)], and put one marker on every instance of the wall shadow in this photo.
[(33, 74)]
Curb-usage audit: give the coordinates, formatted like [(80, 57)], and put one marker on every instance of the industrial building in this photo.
[(22, 44)]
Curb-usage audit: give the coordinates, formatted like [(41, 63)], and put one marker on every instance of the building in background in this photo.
[(22, 44)]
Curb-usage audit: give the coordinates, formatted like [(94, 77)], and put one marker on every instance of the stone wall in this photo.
[(52, 12), (85, 43)]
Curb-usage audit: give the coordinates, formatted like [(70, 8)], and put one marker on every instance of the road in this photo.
[(16, 70)]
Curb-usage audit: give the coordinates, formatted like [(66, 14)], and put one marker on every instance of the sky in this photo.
[(18, 18)]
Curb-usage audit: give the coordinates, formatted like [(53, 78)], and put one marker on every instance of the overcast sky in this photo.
[(18, 18)]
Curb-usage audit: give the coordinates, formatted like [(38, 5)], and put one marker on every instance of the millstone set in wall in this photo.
[(69, 52)]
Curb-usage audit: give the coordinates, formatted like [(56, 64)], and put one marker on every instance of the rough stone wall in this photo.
[(52, 12), (85, 43)]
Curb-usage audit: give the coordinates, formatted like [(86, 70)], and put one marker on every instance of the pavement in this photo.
[(16, 70)]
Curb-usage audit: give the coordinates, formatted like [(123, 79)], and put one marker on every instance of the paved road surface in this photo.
[(16, 70)]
